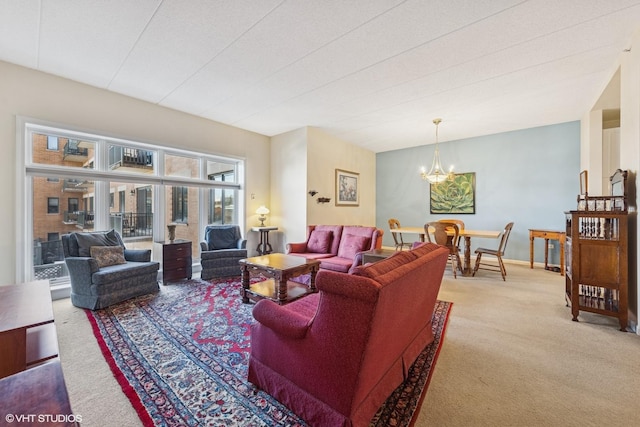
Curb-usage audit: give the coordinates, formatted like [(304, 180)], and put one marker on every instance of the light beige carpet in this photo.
[(511, 357)]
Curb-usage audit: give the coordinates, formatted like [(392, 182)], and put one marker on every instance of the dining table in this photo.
[(466, 233)]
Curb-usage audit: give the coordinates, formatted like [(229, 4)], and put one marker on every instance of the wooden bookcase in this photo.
[(597, 254)]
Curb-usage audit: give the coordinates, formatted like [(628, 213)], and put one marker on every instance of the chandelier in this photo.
[(436, 174)]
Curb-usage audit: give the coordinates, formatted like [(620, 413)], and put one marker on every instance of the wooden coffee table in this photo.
[(280, 269)]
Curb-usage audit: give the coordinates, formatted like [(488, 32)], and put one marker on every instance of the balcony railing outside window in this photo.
[(131, 224), (129, 157), (73, 151)]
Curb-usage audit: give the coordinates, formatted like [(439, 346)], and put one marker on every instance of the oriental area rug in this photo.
[(181, 358)]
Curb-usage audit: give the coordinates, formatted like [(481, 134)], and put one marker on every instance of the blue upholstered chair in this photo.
[(103, 272), (220, 252)]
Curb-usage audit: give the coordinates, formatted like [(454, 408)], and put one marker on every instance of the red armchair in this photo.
[(334, 357)]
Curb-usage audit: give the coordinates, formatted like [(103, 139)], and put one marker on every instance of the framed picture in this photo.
[(347, 191), (583, 182), (457, 196)]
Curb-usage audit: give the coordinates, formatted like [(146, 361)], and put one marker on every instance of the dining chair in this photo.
[(460, 229), (397, 237), (445, 234), (498, 253)]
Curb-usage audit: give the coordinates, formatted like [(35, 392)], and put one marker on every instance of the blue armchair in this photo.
[(220, 252), (103, 272)]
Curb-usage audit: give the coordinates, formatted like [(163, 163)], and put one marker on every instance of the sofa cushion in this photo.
[(96, 238), (319, 241), (336, 235), (222, 238), (352, 244), (108, 255), (128, 274)]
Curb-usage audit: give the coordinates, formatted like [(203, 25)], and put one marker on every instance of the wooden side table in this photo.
[(176, 260), (264, 247), (39, 396), (376, 255), (547, 235)]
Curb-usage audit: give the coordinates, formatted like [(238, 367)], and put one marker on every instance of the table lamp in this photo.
[(262, 211)]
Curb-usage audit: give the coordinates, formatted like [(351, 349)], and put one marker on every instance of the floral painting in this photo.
[(457, 196), (347, 188)]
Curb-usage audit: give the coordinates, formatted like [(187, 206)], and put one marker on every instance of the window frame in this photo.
[(26, 127)]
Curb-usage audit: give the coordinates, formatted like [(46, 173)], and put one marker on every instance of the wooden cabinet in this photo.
[(176, 260), (27, 332), (597, 270), (597, 254)]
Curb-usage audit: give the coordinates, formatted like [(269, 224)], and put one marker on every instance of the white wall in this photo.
[(25, 92), (305, 160), (326, 154), (628, 68), (289, 183)]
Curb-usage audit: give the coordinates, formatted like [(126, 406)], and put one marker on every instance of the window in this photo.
[(106, 182), (221, 202), (52, 143), (53, 205), (180, 204)]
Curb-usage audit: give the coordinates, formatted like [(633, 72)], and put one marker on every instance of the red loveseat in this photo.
[(337, 246), (334, 357)]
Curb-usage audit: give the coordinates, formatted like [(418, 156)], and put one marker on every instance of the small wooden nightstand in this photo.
[(375, 255), (176, 260)]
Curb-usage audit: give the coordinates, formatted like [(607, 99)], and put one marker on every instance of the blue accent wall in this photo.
[(529, 176)]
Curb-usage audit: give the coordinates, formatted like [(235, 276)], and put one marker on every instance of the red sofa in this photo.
[(334, 357), (337, 246)]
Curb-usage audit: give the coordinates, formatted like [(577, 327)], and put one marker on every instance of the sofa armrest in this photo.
[(296, 248), (204, 246), (81, 269), (281, 320), (137, 255), (242, 244)]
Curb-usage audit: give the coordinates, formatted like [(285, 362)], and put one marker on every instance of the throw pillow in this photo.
[(319, 242), (352, 244), (97, 238), (108, 255), (222, 238)]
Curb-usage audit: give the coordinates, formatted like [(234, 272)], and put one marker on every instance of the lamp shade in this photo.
[(262, 211)]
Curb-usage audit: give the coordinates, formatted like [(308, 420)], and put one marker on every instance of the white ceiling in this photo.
[(371, 72)]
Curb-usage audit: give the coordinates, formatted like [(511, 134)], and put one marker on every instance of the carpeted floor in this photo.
[(512, 356), (181, 357)]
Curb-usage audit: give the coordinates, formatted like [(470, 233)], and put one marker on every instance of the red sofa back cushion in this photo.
[(319, 241), (336, 235)]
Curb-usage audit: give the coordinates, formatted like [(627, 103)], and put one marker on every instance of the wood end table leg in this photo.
[(245, 284)]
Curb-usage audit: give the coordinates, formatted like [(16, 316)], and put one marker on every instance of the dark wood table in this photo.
[(264, 247), (280, 269), (27, 332), (37, 397), (375, 255)]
